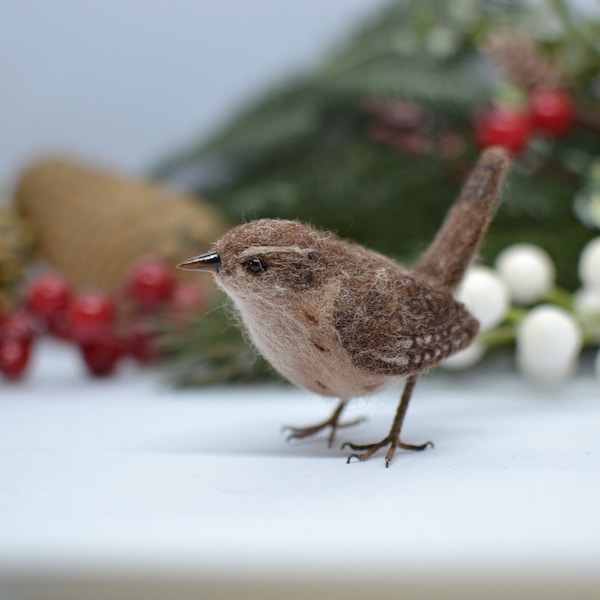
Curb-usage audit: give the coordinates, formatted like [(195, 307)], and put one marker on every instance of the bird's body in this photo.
[(334, 317), (344, 321)]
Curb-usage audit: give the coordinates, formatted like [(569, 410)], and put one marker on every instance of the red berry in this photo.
[(551, 111), (14, 357), (19, 325), (47, 294), (141, 341), (151, 283), (59, 324), (102, 353), (91, 314), (188, 299), (502, 127)]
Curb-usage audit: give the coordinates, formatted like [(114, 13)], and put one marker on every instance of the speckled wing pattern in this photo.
[(396, 323)]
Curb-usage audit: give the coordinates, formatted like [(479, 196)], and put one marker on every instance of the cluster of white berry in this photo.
[(518, 301)]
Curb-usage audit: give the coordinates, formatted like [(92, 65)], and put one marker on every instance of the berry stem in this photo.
[(561, 297), (499, 336)]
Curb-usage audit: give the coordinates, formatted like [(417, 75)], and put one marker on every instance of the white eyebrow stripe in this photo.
[(254, 250)]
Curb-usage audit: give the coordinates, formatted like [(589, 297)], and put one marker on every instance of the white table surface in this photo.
[(127, 478)]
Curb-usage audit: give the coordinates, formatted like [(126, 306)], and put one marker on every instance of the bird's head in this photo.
[(263, 259)]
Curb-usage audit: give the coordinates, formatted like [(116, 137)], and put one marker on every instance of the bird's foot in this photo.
[(393, 442), (296, 433)]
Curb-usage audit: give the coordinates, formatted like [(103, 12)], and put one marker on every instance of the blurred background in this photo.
[(362, 117), (133, 133), (126, 82)]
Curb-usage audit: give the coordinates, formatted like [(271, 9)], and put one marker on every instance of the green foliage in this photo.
[(210, 348), (414, 50)]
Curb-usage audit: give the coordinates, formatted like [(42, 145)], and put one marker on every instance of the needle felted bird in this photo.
[(344, 321)]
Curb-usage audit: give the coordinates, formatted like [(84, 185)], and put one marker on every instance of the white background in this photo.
[(126, 81), (128, 475)]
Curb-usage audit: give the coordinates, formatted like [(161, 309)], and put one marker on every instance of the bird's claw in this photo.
[(297, 433), (370, 449)]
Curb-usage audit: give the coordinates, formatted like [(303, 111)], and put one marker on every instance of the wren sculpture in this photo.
[(344, 321)]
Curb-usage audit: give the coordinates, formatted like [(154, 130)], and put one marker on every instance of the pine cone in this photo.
[(92, 225), (521, 62)]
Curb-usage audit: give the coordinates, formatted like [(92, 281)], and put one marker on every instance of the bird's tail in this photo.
[(457, 242)]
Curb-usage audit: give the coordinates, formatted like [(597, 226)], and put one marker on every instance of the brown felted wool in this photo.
[(332, 316), (344, 321)]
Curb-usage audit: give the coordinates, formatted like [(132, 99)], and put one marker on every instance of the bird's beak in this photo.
[(209, 261)]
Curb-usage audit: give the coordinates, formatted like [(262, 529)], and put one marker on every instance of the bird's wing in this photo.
[(396, 323)]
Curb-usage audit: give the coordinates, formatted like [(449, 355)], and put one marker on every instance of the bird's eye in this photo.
[(255, 265)]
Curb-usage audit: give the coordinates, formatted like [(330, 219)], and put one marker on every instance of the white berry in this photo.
[(589, 264), (548, 343), (586, 305), (485, 295), (528, 272), (541, 374), (465, 358)]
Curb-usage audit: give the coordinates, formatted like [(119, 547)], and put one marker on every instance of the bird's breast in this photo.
[(302, 344)]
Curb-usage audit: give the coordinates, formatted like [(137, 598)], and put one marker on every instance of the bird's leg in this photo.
[(393, 437), (332, 422)]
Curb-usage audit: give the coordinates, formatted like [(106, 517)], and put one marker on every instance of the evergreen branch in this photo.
[(441, 87), (210, 348)]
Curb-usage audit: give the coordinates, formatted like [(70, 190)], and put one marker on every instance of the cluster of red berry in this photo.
[(547, 111), (104, 327)]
